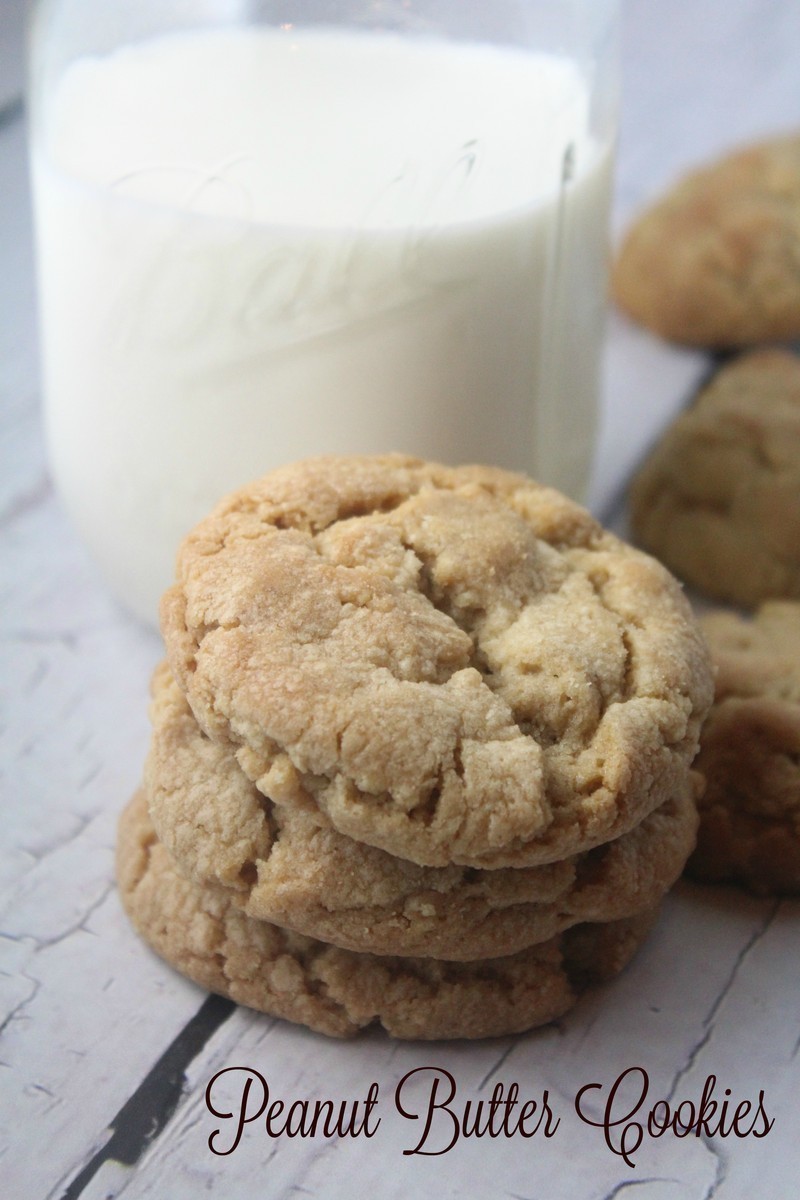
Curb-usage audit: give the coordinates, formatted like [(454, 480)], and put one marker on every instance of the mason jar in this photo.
[(267, 230)]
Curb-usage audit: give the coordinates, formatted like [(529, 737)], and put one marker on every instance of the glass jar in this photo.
[(273, 229)]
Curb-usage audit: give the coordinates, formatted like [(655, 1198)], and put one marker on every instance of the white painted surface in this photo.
[(88, 1011)]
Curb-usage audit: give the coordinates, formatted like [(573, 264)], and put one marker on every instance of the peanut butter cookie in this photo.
[(453, 664), (718, 499), (287, 869), (716, 262), (750, 754), (208, 938)]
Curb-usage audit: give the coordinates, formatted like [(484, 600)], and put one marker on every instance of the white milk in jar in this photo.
[(257, 245)]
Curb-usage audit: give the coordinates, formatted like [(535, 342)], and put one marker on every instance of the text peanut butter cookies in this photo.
[(421, 752), (716, 262)]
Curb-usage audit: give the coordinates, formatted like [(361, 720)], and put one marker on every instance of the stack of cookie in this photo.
[(713, 263), (421, 752)]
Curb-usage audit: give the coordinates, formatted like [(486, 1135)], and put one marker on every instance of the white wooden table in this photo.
[(106, 1054)]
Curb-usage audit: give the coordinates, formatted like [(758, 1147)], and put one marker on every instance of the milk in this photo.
[(257, 245)]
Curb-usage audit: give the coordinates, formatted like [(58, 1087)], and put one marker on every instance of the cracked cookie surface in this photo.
[(285, 868), (333, 991), (716, 262), (453, 664), (718, 499), (750, 754)]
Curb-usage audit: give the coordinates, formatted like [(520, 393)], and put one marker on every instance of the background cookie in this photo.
[(455, 665), (716, 262), (289, 870), (718, 499), (200, 932), (750, 754)]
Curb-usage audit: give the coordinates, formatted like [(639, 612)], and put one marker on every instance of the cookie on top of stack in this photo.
[(421, 750)]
